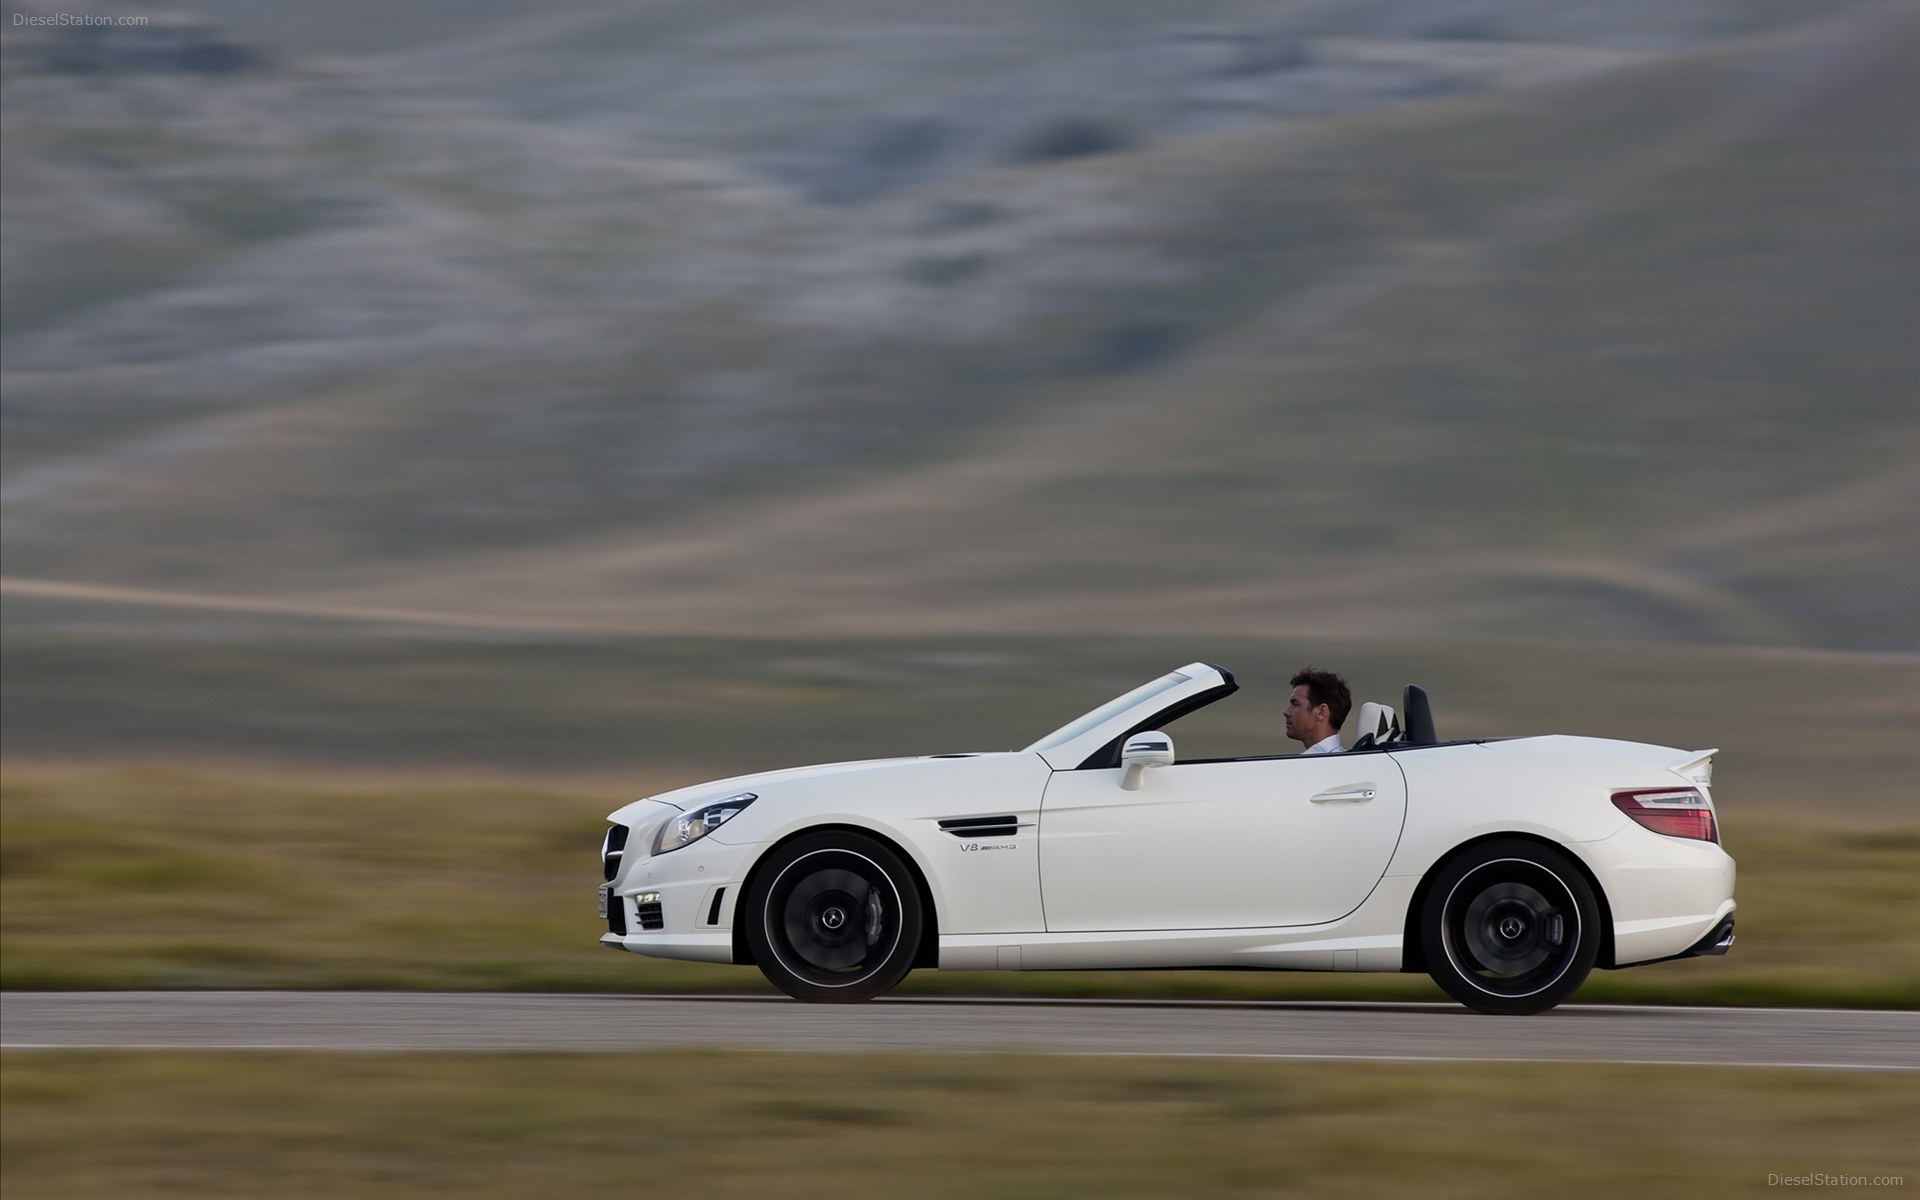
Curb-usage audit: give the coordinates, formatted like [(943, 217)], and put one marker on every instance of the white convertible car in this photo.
[(1505, 868)]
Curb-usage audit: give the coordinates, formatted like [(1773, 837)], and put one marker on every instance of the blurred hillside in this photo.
[(1395, 319), (1429, 319)]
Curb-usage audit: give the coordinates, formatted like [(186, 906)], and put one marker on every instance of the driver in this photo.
[(1320, 703)]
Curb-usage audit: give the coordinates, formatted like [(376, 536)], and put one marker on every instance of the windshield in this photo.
[(1108, 711)]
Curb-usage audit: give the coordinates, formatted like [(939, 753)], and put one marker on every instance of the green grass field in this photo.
[(723, 1125), (156, 877)]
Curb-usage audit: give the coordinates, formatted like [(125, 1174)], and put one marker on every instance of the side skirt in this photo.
[(1368, 939)]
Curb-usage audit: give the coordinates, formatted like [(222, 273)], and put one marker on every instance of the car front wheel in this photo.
[(1510, 927), (834, 917)]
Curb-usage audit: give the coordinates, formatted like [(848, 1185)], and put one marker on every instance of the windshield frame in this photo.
[(1192, 686), (1087, 722)]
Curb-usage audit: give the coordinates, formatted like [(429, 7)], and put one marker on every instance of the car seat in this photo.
[(1377, 725)]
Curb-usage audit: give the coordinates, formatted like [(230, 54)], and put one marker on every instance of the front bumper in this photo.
[(677, 905)]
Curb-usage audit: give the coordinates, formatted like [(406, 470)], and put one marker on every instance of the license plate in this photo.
[(603, 904)]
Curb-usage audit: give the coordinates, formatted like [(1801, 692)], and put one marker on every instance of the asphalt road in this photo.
[(1817, 1038)]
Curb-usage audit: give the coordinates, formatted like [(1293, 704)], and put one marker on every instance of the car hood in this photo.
[(687, 798)]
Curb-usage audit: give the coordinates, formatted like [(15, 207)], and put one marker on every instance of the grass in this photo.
[(720, 1125), (173, 878)]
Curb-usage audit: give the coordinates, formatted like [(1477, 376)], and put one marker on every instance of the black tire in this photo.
[(1510, 927), (834, 917)]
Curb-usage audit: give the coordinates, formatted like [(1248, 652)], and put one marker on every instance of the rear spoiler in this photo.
[(1697, 766)]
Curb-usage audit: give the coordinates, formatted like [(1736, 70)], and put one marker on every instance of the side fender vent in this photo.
[(979, 827)]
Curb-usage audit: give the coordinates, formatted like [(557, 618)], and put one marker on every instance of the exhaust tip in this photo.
[(1716, 943)]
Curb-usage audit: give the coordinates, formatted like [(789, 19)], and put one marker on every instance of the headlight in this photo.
[(688, 828)]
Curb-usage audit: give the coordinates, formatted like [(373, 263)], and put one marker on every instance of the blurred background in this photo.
[(618, 395), (426, 425)]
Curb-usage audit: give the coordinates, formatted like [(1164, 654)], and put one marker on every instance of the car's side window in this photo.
[(1224, 733)]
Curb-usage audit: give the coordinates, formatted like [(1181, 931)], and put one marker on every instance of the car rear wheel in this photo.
[(1510, 927), (834, 917)]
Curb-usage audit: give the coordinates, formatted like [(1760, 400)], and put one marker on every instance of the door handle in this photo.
[(1353, 795)]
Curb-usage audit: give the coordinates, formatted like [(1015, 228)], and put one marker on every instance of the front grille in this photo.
[(610, 851), (977, 827), (648, 910)]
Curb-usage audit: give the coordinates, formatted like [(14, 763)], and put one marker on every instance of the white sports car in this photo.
[(1505, 868)]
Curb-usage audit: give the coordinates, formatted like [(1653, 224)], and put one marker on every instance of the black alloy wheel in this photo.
[(1510, 927), (834, 917)]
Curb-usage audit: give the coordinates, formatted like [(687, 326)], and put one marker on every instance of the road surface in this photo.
[(1813, 1038)]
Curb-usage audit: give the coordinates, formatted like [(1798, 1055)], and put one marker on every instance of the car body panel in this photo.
[(1265, 842), (977, 885)]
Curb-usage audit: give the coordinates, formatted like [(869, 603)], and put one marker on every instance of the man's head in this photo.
[(1319, 706)]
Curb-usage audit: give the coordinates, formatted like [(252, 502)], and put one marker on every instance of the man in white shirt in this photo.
[(1319, 706)]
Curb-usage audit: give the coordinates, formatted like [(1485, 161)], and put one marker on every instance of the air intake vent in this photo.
[(646, 906), (611, 850), (979, 827)]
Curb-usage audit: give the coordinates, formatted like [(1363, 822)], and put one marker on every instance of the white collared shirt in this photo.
[(1326, 745)]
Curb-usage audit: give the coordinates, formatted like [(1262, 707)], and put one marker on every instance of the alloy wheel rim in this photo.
[(1512, 928), (833, 920)]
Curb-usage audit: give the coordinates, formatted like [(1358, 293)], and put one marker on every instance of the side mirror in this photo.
[(1143, 750)]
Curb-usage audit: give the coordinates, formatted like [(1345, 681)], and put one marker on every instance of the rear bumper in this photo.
[(1717, 941), (1670, 897)]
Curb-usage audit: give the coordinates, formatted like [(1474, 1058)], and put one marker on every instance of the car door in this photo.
[(1243, 843)]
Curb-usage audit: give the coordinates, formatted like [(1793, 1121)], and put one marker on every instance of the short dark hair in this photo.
[(1324, 687)]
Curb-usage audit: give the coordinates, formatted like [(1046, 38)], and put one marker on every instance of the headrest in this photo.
[(1376, 725)]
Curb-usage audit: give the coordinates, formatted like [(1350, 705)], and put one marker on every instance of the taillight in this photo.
[(1676, 812)]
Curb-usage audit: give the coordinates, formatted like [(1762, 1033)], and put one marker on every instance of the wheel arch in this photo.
[(927, 954), (1413, 955)]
